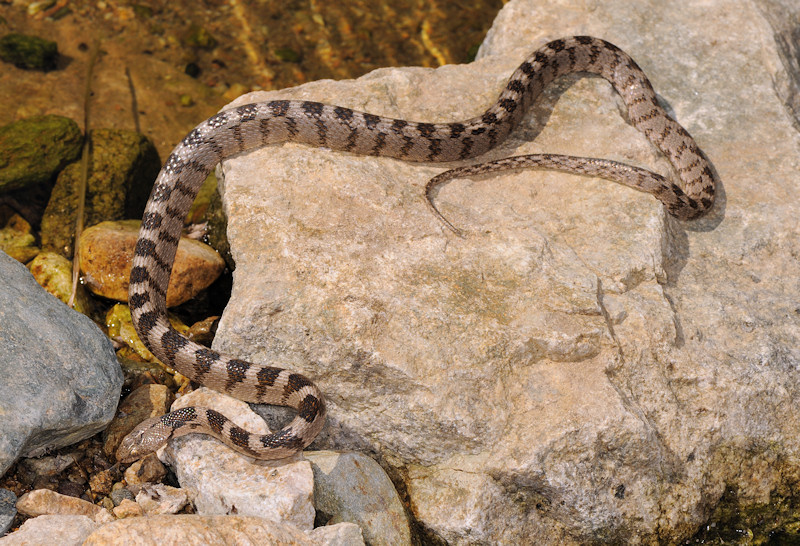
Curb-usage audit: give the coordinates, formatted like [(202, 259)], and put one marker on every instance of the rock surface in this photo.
[(60, 378), (8, 510), (211, 531), (33, 150), (124, 165), (49, 530), (107, 252), (352, 487), (53, 272), (45, 502), (17, 239), (581, 367)]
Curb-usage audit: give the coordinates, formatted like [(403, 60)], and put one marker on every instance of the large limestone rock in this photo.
[(580, 366)]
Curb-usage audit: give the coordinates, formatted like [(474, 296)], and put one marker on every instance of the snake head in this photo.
[(147, 437)]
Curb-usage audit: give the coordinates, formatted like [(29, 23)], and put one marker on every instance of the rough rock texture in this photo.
[(107, 253), (46, 502), (60, 378), (581, 366), (49, 530), (210, 531)]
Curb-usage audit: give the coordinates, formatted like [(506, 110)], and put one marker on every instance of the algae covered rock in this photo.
[(17, 239), (26, 51), (122, 169), (35, 149), (54, 273)]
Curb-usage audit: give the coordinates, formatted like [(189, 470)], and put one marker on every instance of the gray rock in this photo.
[(352, 487), (581, 366), (119, 495), (8, 510), (60, 378)]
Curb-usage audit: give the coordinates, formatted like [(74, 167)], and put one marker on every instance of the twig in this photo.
[(87, 142)]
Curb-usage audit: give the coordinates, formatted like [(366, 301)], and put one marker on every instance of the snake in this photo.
[(240, 129)]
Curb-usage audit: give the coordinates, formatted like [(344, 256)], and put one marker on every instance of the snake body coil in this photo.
[(256, 125)]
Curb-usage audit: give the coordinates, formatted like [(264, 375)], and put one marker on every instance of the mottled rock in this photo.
[(107, 251), (17, 239), (145, 402), (101, 482), (199, 530), (221, 481), (61, 380), (33, 150), (8, 510), (40, 502), (580, 366), (123, 167), (54, 273), (127, 509), (352, 487), (49, 530), (120, 494), (161, 499), (25, 51), (146, 470)]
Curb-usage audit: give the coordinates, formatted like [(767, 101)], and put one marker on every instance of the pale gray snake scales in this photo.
[(255, 125)]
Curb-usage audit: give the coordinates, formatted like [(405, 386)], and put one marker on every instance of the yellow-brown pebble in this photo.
[(106, 252), (127, 509)]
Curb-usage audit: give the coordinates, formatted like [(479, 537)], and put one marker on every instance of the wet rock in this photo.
[(161, 499), (120, 329), (54, 273), (45, 502), (61, 380), (146, 470), (49, 530), (25, 51), (221, 481), (8, 510), (352, 487), (33, 150), (203, 331), (145, 402), (107, 251), (580, 365), (17, 239), (122, 169)]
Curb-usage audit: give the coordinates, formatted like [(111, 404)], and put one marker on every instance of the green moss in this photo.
[(287, 55), (26, 51), (33, 150), (200, 37)]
